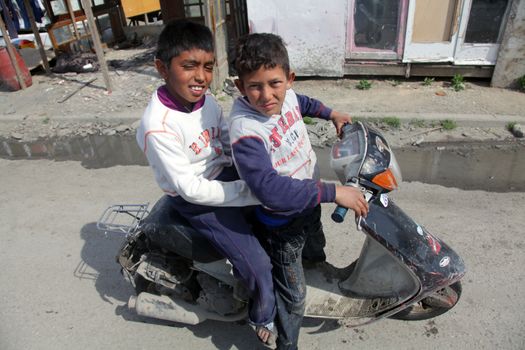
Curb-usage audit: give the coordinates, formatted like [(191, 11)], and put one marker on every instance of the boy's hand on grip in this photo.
[(351, 198), (339, 120)]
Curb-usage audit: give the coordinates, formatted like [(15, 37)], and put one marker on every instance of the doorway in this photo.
[(455, 31)]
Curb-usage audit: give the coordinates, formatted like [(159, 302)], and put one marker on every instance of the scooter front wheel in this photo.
[(434, 305)]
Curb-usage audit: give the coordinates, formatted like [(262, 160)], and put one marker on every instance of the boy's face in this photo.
[(266, 88), (188, 75)]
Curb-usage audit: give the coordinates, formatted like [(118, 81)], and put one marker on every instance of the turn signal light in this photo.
[(386, 180)]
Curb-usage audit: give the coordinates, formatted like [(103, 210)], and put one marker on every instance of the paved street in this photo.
[(61, 288)]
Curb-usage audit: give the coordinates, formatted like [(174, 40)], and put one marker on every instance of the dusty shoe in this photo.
[(267, 334), (313, 262)]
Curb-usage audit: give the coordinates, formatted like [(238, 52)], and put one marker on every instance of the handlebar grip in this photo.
[(339, 214)]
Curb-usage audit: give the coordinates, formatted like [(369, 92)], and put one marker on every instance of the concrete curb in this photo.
[(466, 120)]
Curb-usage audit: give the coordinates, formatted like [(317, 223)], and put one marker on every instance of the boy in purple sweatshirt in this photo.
[(273, 154)]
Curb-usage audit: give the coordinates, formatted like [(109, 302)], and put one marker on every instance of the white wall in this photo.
[(511, 60), (314, 32)]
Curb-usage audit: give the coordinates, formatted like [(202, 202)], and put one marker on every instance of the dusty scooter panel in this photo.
[(433, 262)]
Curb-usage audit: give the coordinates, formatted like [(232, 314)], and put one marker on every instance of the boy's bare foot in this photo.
[(266, 334)]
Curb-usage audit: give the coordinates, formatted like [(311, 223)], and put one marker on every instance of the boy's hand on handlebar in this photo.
[(351, 198), (339, 120)]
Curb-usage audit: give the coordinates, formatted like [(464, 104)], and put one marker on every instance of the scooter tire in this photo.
[(421, 311)]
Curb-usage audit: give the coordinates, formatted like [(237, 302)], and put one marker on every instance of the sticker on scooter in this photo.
[(434, 244), (384, 199), (444, 262), (419, 230)]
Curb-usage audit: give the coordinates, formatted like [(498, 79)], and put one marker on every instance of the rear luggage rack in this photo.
[(122, 218)]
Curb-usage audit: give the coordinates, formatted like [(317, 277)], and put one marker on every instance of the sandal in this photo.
[(266, 334)]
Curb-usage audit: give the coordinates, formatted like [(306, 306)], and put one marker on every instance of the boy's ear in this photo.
[(291, 78), (161, 68), (240, 85)]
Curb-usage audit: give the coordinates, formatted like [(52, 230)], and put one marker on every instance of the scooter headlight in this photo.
[(394, 168)]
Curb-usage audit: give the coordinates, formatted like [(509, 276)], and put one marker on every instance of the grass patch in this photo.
[(394, 82), (393, 122), (428, 81), (510, 126), (45, 120), (364, 85), (420, 123), (448, 124), (521, 83), (458, 82)]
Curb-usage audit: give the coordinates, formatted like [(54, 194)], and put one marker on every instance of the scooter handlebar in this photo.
[(339, 214)]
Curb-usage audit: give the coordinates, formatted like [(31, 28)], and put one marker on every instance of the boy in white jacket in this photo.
[(185, 139)]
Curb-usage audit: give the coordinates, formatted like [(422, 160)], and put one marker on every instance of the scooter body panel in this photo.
[(400, 263), (431, 260)]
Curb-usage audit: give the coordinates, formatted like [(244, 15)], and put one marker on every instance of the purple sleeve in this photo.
[(274, 190), (313, 108)]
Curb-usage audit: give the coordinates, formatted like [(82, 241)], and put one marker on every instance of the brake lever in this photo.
[(359, 219)]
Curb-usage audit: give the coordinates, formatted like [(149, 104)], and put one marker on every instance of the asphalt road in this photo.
[(61, 288)]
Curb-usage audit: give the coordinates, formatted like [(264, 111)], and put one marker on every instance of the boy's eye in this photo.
[(209, 67), (275, 83)]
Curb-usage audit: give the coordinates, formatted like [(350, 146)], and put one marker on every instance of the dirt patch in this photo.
[(408, 111)]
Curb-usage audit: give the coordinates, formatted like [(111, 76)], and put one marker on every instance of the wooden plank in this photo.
[(38, 40), (139, 7), (86, 4), (417, 70), (72, 17)]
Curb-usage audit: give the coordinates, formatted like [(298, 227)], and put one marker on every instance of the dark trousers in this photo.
[(230, 234), (286, 246)]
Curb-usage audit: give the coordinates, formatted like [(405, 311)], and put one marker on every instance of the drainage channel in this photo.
[(489, 166)]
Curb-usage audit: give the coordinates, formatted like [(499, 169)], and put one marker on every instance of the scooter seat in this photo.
[(167, 229)]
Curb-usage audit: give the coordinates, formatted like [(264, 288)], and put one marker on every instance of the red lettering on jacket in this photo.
[(297, 113), (205, 137), (195, 148), (290, 118), (283, 125), (275, 138)]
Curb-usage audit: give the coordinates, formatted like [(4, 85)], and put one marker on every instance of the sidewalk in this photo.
[(66, 102)]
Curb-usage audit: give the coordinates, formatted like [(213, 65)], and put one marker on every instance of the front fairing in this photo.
[(363, 154), (431, 260)]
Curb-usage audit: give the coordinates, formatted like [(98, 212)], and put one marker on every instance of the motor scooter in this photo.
[(402, 272)]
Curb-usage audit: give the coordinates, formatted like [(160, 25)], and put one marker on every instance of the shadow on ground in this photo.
[(98, 263)]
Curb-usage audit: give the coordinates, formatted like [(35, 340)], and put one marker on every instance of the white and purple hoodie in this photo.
[(275, 158), (187, 150)]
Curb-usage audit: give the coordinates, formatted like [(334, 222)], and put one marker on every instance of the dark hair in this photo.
[(182, 35), (257, 50)]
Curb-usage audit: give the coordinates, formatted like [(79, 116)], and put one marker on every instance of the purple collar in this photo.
[(171, 102)]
